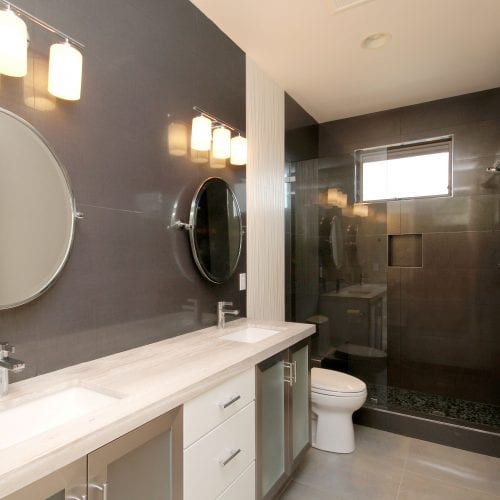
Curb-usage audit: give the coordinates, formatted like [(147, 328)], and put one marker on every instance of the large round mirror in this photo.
[(36, 213), (215, 230)]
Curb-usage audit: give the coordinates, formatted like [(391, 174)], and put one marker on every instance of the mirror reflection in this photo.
[(216, 230), (36, 213)]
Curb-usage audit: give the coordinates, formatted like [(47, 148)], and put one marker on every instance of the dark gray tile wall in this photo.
[(129, 280), (443, 322)]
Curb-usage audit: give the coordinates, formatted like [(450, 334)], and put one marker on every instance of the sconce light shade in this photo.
[(199, 156), (177, 139), (65, 71), (333, 197), (201, 133), (360, 210), (238, 150), (13, 44), (221, 144)]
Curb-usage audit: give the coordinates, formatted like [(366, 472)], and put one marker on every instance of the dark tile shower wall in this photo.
[(443, 319), (129, 281)]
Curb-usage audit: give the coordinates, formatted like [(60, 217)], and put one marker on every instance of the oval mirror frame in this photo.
[(66, 246), (192, 232)]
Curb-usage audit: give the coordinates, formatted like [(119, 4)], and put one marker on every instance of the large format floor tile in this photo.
[(387, 466)]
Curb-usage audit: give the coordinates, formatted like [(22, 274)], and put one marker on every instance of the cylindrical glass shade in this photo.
[(177, 139), (201, 133), (65, 71), (221, 144), (13, 44), (342, 200), (238, 150), (216, 162)]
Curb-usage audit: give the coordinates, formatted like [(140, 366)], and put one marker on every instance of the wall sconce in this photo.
[(65, 71), (360, 210), (177, 136), (13, 44), (65, 64), (238, 150), (200, 156), (211, 134), (221, 143), (201, 133)]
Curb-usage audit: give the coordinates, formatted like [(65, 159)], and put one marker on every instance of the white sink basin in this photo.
[(250, 335), (29, 419)]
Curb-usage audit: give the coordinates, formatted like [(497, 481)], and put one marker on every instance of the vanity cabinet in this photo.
[(283, 417), (144, 463), (219, 441)]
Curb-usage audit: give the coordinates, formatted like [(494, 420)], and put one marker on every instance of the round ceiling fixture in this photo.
[(376, 40)]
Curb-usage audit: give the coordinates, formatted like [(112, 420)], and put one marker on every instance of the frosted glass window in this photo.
[(405, 172)]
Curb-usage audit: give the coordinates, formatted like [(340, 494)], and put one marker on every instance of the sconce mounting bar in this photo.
[(217, 120), (41, 23)]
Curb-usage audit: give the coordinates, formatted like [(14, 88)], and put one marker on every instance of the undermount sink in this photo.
[(250, 335), (34, 417)]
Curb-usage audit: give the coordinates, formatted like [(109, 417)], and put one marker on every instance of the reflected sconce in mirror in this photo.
[(65, 63), (360, 210), (336, 198), (210, 134)]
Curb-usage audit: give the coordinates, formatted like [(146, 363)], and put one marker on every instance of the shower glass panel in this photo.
[(394, 292)]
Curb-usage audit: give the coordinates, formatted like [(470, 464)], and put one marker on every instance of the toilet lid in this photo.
[(332, 381)]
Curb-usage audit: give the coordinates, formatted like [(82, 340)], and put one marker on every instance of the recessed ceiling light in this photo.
[(376, 40)]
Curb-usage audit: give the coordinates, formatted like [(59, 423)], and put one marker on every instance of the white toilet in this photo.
[(335, 396)]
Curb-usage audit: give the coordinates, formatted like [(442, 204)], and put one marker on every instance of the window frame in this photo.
[(439, 144)]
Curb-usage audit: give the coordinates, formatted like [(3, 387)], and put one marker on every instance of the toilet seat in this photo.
[(332, 383)]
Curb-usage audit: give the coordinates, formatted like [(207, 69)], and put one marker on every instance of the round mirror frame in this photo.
[(71, 196), (192, 224)]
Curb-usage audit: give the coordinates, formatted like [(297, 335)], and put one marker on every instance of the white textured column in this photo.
[(265, 196)]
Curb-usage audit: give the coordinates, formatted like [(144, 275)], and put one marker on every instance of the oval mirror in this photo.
[(36, 213), (215, 230)]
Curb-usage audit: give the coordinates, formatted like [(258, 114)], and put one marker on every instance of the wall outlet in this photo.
[(243, 281)]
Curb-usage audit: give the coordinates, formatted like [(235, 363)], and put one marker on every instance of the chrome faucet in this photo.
[(8, 364), (221, 313)]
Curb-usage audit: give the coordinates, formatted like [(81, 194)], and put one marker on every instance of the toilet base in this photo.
[(333, 433)]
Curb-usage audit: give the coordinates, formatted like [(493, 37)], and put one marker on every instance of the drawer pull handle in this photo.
[(230, 402), (231, 456), (103, 489)]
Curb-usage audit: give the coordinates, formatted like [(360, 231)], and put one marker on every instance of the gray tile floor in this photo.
[(389, 466)]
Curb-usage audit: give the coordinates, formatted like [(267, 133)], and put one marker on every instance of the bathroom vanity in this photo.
[(189, 417)]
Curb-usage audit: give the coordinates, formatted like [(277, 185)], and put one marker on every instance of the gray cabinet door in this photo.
[(283, 413), (145, 463), (300, 403), (68, 483), (272, 428)]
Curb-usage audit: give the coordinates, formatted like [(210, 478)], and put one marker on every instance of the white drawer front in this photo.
[(243, 488), (208, 410), (217, 459)]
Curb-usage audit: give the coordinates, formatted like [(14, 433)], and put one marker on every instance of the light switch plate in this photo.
[(243, 281)]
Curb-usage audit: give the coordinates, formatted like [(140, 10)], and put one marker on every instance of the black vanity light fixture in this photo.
[(65, 62)]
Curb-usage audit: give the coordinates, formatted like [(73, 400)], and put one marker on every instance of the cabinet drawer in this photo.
[(243, 488), (210, 409), (217, 459)]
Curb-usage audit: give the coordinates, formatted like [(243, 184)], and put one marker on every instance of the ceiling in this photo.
[(439, 48)]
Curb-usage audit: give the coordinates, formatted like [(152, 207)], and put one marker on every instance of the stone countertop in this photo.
[(149, 381)]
